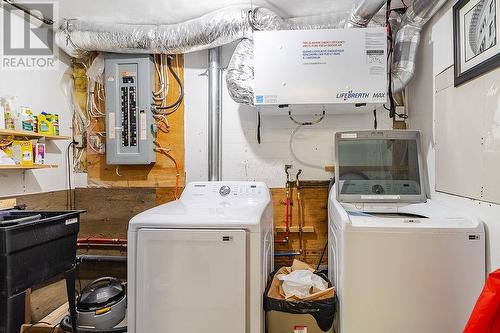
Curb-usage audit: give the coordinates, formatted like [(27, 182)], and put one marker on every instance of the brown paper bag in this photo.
[(276, 289)]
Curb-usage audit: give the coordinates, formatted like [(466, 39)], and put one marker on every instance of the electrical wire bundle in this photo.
[(95, 98), (160, 96), (85, 120), (161, 109)]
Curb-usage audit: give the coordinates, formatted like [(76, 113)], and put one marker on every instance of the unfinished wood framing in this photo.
[(160, 174)]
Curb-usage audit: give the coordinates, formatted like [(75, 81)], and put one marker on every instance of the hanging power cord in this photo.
[(300, 125), (392, 106), (258, 127), (66, 325), (375, 123), (69, 196), (300, 212), (321, 256), (392, 101), (35, 325)]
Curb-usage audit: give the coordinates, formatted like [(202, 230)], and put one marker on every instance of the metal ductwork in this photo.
[(407, 40), (363, 13)]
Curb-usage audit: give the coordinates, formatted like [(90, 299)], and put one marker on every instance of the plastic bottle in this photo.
[(10, 112), (26, 119), (45, 125), (2, 117)]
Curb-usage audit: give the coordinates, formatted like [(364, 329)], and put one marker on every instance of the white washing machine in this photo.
[(400, 261), (200, 264)]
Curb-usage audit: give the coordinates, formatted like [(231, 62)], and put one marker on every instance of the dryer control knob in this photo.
[(224, 190)]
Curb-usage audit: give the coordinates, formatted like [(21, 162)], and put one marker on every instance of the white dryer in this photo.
[(200, 264), (400, 261)]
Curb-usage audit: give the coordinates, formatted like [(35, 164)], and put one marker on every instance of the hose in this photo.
[(66, 325), (300, 125), (101, 259)]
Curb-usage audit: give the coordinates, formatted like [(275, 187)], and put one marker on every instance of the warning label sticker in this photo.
[(316, 52), (300, 329), (375, 44)]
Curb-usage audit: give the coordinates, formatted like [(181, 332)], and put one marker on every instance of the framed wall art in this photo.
[(476, 38)]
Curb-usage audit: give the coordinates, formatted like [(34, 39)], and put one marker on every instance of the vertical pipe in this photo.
[(214, 115)]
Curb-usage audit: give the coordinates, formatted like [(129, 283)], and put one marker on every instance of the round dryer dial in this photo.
[(224, 190)]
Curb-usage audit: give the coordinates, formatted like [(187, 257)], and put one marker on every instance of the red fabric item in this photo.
[(485, 317)]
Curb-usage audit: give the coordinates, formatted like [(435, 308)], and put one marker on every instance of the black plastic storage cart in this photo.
[(34, 246)]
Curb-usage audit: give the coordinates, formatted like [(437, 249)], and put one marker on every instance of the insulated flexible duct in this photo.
[(363, 13), (240, 75), (76, 37), (407, 40)]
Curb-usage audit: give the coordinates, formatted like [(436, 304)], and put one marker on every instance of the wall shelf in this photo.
[(28, 167), (6, 132)]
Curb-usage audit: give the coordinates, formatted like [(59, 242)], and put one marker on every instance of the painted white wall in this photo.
[(435, 55), (42, 90), (242, 157)]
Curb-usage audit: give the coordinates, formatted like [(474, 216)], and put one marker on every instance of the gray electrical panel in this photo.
[(129, 82)]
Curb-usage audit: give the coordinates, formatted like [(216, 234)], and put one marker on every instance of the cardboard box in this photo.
[(39, 153), (22, 152)]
